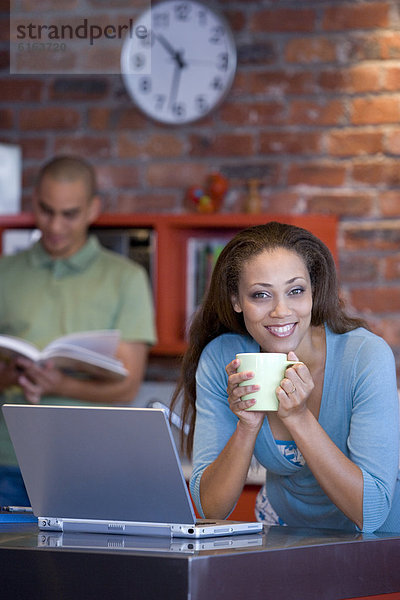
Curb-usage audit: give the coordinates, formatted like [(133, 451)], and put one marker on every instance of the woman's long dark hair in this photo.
[(216, 314)]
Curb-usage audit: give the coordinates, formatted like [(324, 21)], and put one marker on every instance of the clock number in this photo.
[(217, 84), (138, 61), (145, 85), (223, 61), (201, 104), (182, 11), (179, 110), (161, 19), (217, 33), (160, 101), (202, 14)]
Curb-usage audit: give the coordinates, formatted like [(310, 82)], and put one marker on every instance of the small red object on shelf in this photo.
[(209, 199)]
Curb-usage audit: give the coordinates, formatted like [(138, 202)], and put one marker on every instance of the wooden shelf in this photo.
[(172, 233)]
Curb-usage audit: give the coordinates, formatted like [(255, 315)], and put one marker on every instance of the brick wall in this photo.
[(314, 114)]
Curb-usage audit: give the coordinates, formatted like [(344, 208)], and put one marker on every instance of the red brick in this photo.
[(21, 90), (307, 112), (239, 173), (392, 141), (111, 177), (271, 202), (256, 114), (148, 203), (374, 111), (389, 44), (176, 175), (280, 202), (4, 60), (4, 30), (6, 118), (222, 144), (236, 19), (357, 79), (279, 83), (362, 46), (362, 16), (317, 174), (29, 175), (48, 5), (131, 118), (32, 62), (310, 50), (54, 117), (284, 142), (347, 142), (101, 59), (350, 204), (385, 172), (94, 147), (392, 267), (257, 53), (132, 145), (33, 148), (374, 300), (116, 3), (372, 236), (391, 78), (283, 20), (359, 268), (390, 203), (79, 88), (99, 118), (240, 85)]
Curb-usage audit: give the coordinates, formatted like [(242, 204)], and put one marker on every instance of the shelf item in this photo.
[(10, 178), (201, 256), (169, 236)]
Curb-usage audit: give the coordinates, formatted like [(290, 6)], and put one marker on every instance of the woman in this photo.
[(331, 451)]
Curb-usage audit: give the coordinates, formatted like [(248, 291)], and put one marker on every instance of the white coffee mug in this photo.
[(269, 370)]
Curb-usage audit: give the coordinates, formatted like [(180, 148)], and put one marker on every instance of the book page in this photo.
[(102, 341), (11, 347)]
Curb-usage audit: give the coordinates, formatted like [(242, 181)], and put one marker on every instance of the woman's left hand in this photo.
[(295, 388)]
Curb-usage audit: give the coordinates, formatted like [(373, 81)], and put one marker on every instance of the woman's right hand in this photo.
[(252, 419)]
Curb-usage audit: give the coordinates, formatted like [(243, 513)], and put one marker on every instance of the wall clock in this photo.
[(179, 61)]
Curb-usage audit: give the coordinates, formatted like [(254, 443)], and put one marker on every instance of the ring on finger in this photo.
[(293, 390)]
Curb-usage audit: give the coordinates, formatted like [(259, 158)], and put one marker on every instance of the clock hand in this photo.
[(177, 56), (175, 85)]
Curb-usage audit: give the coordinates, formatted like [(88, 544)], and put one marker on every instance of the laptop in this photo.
[(138, 543), (107, 470)]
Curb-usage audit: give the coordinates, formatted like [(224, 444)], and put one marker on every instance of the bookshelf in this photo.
[(171, 234)]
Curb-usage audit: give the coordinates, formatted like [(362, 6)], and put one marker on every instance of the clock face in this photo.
[(179, 61)]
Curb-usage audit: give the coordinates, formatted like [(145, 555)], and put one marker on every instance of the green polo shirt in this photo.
[(42, 298)]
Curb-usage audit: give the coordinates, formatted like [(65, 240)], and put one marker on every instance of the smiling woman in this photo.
[(274, 289)]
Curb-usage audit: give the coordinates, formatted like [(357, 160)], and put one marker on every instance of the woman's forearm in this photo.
[(338, 476), (223, 480)]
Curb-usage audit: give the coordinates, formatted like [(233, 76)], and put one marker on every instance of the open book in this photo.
[(90, 353)]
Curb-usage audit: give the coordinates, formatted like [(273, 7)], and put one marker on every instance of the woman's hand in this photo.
[(294, 389), (252, 419)]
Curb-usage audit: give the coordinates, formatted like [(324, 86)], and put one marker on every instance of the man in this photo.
[(67, 283)]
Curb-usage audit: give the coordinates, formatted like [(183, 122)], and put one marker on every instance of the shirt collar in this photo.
[(64, 266)]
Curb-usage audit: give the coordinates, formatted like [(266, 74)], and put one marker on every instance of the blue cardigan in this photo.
[(359, 411)]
